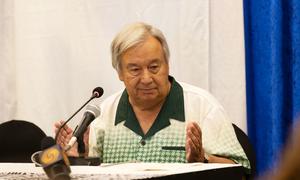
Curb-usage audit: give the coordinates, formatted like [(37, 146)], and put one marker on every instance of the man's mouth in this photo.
[(146, 89)]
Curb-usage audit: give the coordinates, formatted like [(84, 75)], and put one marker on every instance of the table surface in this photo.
[(110, 171)]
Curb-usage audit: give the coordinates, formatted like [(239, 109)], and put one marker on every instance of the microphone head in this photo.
[(91, 113), (94, 109), (97, 92), (47, 142)]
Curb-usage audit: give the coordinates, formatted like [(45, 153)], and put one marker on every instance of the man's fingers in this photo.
[(195, 129), (194, 132), (196, 139), (69, 130), (58, 124), (193, 142), (192, 151), (65, 133), (196, 126)]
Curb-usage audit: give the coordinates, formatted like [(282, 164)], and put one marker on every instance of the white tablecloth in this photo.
[(108, 171)]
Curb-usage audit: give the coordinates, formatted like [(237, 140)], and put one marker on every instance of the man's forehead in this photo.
[(148, 62)]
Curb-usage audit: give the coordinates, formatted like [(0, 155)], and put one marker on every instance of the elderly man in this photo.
[(156, 118)]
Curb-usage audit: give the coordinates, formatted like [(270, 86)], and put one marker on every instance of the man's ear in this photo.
[(120, 74)]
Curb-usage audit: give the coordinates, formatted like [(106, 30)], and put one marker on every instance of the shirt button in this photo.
[(143, 142)]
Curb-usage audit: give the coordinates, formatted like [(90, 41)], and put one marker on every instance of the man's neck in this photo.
[(147, 115)]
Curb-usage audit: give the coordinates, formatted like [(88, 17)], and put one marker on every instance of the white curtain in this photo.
[(54, 52)]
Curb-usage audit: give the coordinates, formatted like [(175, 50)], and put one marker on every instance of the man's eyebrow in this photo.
[(154, 60), (131, 65)]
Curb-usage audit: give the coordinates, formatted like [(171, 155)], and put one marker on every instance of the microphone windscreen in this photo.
[(94, 109), (47, 142), (98, 92)]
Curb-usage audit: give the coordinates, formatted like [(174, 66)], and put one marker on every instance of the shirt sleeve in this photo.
[(220, 139)]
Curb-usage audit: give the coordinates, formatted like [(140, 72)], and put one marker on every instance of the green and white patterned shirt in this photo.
[(116, 136)]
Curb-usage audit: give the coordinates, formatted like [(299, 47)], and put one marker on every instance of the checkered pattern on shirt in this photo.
[(123, 145)]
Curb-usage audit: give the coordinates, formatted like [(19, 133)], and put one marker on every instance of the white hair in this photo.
[(133, 35)]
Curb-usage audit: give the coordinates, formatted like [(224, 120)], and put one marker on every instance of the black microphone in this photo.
[(97, 92), (54, 160), (92, 112)]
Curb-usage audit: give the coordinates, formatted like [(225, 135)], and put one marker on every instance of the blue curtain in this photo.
[(272, 41)]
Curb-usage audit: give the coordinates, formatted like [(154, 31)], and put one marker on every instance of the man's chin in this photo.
[(146, 97)]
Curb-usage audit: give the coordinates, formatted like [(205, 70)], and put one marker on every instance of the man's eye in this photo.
[(134, 71), (154, 68)]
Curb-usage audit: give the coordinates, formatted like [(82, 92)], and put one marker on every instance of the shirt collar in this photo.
[(173, 108)]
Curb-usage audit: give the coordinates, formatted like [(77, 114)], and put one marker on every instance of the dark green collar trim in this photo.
[(173, 108), (125, 113)]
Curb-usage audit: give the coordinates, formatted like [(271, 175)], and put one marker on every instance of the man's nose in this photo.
[(146, 77)]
